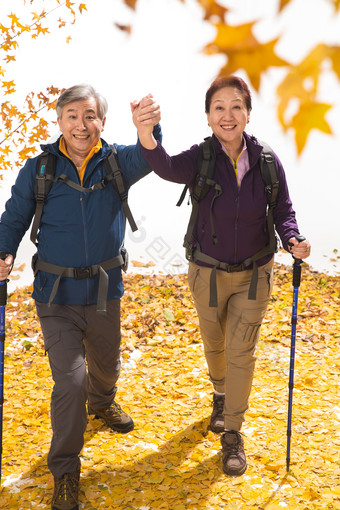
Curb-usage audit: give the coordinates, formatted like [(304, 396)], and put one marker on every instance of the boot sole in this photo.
[(237, 473), (74, 508)]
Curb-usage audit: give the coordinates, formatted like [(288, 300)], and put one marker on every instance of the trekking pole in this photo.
[(3, 301), (296, 285)]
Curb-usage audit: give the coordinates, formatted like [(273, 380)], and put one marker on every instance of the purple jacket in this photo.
[(239, 212)]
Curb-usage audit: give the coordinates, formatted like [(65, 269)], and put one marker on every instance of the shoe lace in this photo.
[(115, 409), (66, 488), (218, 404), (233, 448)]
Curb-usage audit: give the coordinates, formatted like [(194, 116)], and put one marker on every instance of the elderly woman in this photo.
[(230, 238)]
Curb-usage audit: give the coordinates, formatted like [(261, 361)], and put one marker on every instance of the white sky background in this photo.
[(163, 56)]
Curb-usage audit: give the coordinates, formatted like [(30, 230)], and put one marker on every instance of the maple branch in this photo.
[(21, 124), (43, 15)]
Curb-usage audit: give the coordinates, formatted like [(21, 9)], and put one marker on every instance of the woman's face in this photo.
[(228, 116)]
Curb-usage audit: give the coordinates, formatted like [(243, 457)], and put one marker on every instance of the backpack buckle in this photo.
[(82, 272), (268, 190), (189, 251)]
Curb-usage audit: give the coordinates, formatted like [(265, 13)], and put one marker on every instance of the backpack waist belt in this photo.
[(78, 273), (250, 263)]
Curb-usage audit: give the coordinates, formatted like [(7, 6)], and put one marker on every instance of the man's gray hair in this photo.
[(78, 93)]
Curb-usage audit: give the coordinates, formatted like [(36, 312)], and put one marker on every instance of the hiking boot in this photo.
[(114, 417), (233, 456), (217, 417), (66, 489)]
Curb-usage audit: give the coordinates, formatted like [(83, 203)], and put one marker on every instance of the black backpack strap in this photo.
[(203, 183), (114, 175), (63, 178), (182, 197), (43, 182), (269, 174), (271, 181)]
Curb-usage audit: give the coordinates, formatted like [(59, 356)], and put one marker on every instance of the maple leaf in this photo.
[(9, 58), (244, 51), (6, 150), (231, 38), (311, 115), (283, 4), (334, 55), (25, 152), (9, 86), (40, 29), (53, 90), (124, 28), (302, 80), (14, 18), (336, 4), (213, 9), (131, 3)]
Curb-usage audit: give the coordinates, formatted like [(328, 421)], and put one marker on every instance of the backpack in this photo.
[(204, 181), (45, 177)]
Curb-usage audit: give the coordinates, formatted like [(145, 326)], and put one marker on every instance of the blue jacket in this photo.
[(240, 211), (77, 229)]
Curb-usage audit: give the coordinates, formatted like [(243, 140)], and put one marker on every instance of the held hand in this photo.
[(299, 250), (145, 115), (146, 111), (5, 267)]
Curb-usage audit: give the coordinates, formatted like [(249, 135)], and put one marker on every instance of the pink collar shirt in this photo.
[(241, 165)]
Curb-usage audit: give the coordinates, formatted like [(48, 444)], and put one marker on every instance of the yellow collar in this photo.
[(81, 170)]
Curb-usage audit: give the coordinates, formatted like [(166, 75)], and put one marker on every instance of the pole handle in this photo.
[(3, 283), (296, 265), (299, 238)]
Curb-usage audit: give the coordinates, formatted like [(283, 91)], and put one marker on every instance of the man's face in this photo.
[(81, 127)]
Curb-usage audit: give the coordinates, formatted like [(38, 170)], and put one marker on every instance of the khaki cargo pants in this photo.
[(230, 332)]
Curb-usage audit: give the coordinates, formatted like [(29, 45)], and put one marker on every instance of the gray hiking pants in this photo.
[(73, 333)]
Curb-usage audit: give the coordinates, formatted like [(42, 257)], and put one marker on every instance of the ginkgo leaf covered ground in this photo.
[(171, 460)]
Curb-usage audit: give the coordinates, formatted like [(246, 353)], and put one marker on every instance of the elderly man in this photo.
[(77, 268)]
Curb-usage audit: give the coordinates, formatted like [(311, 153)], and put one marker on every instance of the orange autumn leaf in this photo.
[(283, 4), (244, 51), (131, 3), (311, 115), (213, 9), (124, 28), (336, 4), (334, 56)]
